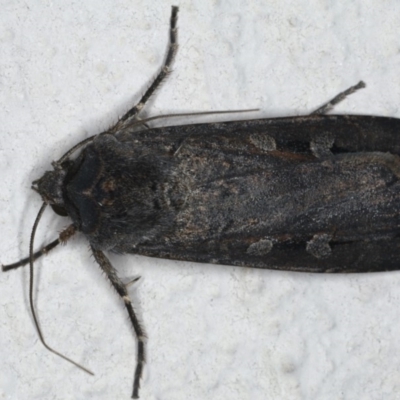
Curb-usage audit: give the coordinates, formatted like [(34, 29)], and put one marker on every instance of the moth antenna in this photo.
[(145, 120), (57, 164), (31, 260)]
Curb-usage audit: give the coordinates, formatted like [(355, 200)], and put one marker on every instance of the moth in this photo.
[(315, 193)]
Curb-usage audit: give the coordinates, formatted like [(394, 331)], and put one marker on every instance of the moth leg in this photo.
[(62, 238), (172, 48), (111, 273), (337, 99)]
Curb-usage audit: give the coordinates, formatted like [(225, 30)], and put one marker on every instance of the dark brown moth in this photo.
[(316, 193)]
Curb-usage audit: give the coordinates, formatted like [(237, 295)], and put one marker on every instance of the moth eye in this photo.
[(59, 210)]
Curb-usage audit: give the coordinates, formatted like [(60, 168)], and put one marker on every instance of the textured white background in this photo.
[(67, 70)]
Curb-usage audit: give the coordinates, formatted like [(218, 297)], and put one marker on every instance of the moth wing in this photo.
[(267, 194)]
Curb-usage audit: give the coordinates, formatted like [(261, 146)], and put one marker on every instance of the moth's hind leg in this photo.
[(172, 48), (338, 98), (111, 273)]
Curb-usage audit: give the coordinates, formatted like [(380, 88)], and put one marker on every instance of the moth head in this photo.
[(50, 188)]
